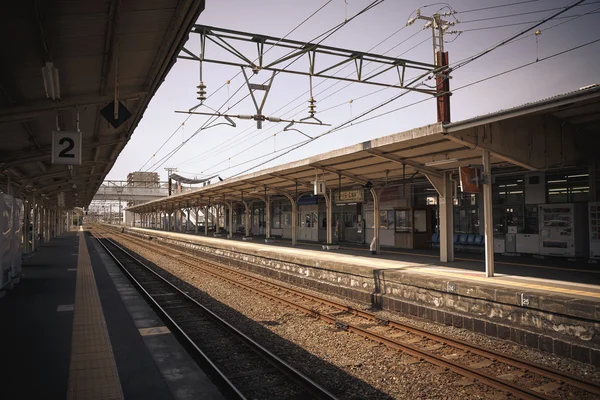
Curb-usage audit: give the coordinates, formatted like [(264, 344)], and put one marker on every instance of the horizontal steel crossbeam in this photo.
[(226, 38)]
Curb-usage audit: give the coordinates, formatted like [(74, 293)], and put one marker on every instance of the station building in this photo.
[(405, 190)]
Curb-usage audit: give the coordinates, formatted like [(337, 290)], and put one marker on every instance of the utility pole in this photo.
[(170, 171), (440, 58)]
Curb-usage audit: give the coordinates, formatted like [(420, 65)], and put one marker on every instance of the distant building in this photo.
[(143, 179)]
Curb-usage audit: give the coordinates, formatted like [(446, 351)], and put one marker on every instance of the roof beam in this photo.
[(25, 112), (403, 161), (45, 153), (110, 43), (348, 175), (297, 181)]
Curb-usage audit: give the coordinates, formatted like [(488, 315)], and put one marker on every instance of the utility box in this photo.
[(320, 187)]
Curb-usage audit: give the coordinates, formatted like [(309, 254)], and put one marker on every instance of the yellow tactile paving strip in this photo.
[(92, 373)]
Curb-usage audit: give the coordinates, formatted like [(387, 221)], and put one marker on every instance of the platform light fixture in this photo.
[(51, 81), (441, 162)]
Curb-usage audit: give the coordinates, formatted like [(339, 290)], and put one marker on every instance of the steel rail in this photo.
[(413, 351), (303, 381), (526, 366)]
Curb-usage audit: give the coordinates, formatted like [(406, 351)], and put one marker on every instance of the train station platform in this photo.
[(75, 328), (550, 304)]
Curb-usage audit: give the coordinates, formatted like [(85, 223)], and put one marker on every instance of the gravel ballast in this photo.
[(349, 366)]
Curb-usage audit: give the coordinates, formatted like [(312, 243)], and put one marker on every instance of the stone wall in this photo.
[(553, 323)]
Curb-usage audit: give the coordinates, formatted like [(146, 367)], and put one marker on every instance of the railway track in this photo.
[(243, 368), (512, 376)]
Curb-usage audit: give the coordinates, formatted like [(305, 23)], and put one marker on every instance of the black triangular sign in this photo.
[(108, 112)]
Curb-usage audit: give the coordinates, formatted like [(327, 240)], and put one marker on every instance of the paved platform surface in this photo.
[(75, 328), (576, 279)]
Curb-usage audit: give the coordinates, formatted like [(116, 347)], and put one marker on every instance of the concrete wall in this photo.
[(553, 323)]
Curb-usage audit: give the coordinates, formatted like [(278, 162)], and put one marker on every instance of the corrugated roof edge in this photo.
[(582, 93)]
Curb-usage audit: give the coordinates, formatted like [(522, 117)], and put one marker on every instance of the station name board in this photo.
[(350, 196)]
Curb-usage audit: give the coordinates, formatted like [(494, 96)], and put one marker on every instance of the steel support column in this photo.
[(294, 222), (446, 222), (328, 216), (206, 220), (247, 208), (487, 215), (181, 221), (377, 248), (268, 216), (230, 205), (187, 222)]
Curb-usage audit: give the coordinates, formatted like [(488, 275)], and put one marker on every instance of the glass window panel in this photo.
[(383, 219), (403, 221)]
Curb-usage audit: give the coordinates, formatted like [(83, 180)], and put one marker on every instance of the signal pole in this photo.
[(440, 58), (170, 171)]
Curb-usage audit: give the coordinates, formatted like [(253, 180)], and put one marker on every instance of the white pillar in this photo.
[(247, 219), (230, 205), (487, 213), (206, 220), (446, 221), (328, 216), (26, 226), (181, 221), (376, 221), (294, 220), (268, 216)]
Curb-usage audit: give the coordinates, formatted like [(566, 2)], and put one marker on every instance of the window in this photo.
[(276, 216), (383, 219), (568, 187), (403, 221), (508, 190)]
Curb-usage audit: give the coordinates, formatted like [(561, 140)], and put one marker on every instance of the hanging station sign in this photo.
[(349, 196), (66, 147)]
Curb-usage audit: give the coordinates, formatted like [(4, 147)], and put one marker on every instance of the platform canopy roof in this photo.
[(562, 130), (101, 50)]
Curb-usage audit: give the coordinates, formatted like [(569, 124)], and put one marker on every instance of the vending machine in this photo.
[(594, 209), (563, 230)]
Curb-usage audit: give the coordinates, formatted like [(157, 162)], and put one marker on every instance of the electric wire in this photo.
[(524, 23), (548, 18), (343, 126), (523, 13), (498, 6), (515, 36), (325, 98), (189, 116), (327, 34)]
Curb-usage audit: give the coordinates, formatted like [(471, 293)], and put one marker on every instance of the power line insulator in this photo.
[(312, 106), (201, 91)]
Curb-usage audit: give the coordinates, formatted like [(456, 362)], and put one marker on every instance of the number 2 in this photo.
[(70, 146)]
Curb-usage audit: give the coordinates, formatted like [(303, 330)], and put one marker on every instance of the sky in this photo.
[(228, 151)]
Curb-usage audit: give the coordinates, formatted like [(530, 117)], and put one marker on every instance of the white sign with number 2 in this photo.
[(66, 147)]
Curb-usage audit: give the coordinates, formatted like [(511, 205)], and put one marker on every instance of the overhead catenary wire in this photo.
[(515, 36), (571, 18), (325, 98), (497, 6), (326, 35), (418, 102), (226, 84), (522, 13), (595, 11)]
